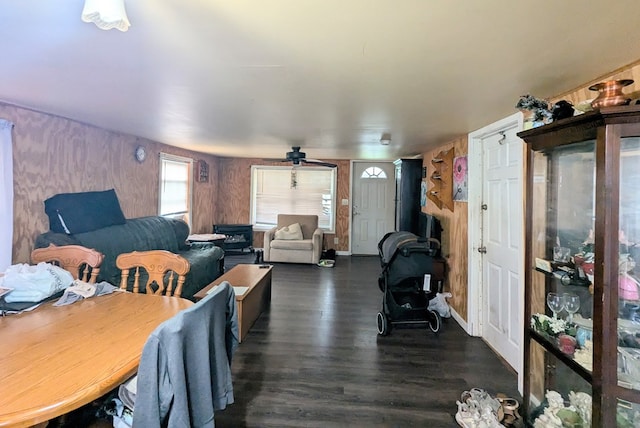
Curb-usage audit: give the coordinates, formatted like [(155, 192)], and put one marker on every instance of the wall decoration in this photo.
[(460, 183), (203, 172), (423, 193)]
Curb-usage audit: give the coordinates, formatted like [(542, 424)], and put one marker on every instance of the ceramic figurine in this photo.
[(582, 401), (477, 409), (549, 419)]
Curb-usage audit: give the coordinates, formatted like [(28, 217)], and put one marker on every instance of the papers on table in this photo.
[(205, 237), (238, 290)]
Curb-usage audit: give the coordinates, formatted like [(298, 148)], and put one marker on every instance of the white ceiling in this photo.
[(248, 78)]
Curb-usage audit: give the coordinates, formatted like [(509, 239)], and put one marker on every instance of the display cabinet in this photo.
[(582, 298), (407, 202)]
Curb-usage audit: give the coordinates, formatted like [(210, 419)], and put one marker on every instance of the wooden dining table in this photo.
[(55, 359)]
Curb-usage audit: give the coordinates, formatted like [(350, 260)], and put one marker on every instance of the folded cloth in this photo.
[(34, 283), (127, 392), (122, 415), (82, 290)]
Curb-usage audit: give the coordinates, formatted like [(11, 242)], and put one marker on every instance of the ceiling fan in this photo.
[(297, 157)]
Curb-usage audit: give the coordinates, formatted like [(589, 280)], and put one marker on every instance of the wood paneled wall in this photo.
[(235, 190), (454, 235), (56, 155), (582, 93)]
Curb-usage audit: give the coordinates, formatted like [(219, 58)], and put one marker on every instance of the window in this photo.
[(175, 187), (373, 172), (286, 190)]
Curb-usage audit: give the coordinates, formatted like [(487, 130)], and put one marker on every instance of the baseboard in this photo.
[(338, 253), (459, 320)]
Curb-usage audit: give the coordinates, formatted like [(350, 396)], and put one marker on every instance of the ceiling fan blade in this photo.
[(318, 162)]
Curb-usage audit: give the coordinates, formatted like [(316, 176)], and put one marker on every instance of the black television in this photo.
[(429, 227)]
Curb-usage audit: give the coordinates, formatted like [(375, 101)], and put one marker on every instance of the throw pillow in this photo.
[(83, 212), (291, 232)]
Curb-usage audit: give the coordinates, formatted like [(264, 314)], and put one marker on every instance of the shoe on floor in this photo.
[(326, 263)]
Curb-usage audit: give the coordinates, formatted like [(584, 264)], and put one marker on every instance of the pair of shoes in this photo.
[(509, 409)]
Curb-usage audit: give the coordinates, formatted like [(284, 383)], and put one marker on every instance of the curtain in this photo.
[(301, 190), (6, 194)]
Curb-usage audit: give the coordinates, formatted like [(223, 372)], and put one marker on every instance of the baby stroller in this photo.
[(411, 276)]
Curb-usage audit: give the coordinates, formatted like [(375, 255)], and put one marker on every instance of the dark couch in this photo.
[(141, 234)]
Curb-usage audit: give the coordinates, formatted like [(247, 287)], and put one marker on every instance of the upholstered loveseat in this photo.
[(94, 220), (292, 244)]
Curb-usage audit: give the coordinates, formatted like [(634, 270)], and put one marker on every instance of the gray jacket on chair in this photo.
[(185, 368)]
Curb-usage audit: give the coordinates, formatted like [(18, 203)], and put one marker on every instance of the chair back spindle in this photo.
[(83, 263), (164, 269)]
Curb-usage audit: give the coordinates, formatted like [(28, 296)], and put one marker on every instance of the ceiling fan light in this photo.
[(106, 14)]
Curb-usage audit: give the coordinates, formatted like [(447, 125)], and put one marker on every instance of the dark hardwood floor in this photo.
[(315, 359)]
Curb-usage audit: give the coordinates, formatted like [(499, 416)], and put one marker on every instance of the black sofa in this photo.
[(141, 234), (94, 220)]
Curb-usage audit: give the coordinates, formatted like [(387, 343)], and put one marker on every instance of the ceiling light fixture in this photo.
[(385, 140), (106, 14)]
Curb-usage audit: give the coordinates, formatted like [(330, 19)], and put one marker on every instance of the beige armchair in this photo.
[(292, 250)]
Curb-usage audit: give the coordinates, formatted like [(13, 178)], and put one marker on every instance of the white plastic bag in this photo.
[(34, 283), (440, 305)]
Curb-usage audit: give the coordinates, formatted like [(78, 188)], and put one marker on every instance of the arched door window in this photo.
[(373, 172)]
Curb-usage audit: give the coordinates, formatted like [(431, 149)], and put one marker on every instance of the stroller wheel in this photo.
[(434, 321), (383, 324)]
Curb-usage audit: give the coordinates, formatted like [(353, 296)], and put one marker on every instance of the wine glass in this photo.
[(556, 303), (571, 304)]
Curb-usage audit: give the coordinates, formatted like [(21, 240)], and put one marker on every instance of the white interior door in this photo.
[(496, 238), (502, 225), (372, 207)]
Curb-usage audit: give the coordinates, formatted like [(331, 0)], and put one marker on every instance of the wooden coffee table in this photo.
[(252, 284)]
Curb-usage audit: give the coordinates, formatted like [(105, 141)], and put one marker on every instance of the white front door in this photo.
[(373, 205), (498, 247)]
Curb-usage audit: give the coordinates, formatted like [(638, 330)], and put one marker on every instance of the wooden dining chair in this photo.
[(83, 263), (157, 263)]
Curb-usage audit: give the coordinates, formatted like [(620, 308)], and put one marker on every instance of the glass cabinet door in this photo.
[(629, 256), (561, 285)]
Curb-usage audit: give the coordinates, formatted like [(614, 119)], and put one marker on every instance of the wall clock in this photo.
[(141, 154)]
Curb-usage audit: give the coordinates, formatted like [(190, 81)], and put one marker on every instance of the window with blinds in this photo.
[(175, 187), (292, 190)]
